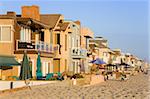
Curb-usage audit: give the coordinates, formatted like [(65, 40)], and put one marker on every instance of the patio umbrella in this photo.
[(25, 69), (98, 61), (38, 71), (92, 61), (125, 65), (111, 65)]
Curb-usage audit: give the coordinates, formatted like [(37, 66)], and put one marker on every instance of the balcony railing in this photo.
[(78, 52), (35, 45)]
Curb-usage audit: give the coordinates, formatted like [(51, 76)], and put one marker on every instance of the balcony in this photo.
[(78, 53), (35, 46)]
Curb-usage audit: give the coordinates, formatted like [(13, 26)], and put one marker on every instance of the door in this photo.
[(56, 65)]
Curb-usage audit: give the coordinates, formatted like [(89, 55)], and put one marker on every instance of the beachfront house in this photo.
[(30, 34), (78, 56), (86, 35), (7, 45)]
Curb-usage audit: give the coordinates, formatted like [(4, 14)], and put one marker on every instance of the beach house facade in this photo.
[(28, 34), (78, 54), (7, 34), (86, 35)]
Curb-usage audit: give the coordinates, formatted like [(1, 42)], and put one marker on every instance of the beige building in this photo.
[(25, 32), (77, 54), (86, 36)]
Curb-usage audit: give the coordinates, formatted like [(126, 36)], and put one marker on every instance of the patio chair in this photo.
[(60, 77), (49, 75), (15, 77), (59, 74)]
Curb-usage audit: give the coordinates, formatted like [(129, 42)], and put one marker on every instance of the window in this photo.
[(65, 42), (72, 42), (22, 34), (5, 33), (25, 34), (77, 43), (42, 36), (58, 39)]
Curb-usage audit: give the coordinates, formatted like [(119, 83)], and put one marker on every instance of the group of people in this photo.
[(122, 75)]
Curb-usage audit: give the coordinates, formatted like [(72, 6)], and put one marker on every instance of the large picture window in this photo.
[(25, 34), (5, 33)]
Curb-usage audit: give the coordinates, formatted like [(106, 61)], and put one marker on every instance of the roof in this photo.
[(25, 20), (50, 19), (99, 43), (6, 17), (63, 26), (8, 61)]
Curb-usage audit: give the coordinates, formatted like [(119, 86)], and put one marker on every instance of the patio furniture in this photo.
[(15, 77), (59, 76), (49, 76)]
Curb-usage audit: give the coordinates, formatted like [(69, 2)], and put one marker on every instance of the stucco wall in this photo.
[(6, 48)]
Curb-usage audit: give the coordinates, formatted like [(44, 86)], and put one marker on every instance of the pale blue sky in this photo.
[(123, 22)]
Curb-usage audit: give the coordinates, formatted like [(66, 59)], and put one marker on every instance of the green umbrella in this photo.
[(38, 71), (25, 68)]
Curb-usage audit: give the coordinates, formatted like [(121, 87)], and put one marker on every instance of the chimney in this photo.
[(11, 13), (31, 12)]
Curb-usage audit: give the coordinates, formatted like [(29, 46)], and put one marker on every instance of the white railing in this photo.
[(34, 45), (78, 52), (42, 46)]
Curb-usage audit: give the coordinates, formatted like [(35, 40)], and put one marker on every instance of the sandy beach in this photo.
[(134, 88)]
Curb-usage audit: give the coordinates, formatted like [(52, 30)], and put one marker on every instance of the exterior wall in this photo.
[(64, 55), (117, 59), (72, 38), (85, 32), (104, 54), (74, 43), (7, 48), (47, 36), (33, 58), (5, 74), (6, 22)]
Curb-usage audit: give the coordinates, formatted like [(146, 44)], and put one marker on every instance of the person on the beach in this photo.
[(122, 77), (107, 77)]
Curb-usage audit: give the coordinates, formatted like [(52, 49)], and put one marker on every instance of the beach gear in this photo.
[(38, 64), (25, 69)]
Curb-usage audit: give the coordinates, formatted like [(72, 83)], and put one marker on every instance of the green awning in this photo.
[(8, 61)]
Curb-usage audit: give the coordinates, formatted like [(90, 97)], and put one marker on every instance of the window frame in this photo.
[(11, 34)]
